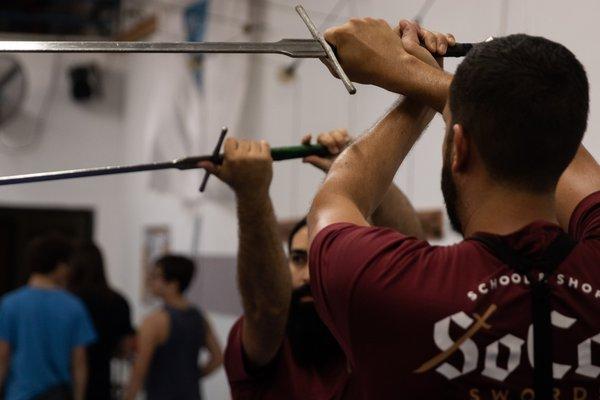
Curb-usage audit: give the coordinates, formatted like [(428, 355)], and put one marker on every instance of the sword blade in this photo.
[(296, 48), (82, 173), (278, 154)]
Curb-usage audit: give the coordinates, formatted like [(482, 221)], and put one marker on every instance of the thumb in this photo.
[(319, 162)]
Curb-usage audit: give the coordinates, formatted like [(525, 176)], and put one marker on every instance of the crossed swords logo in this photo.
[(478, 324)]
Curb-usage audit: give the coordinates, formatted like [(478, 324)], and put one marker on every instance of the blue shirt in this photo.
[(42, 327)]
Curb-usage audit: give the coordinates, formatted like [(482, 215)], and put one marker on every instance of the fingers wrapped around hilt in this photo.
[(277, 153)]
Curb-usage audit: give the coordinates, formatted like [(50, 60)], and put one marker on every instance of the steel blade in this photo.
[(278, 154), (82, 173), (296, 48)]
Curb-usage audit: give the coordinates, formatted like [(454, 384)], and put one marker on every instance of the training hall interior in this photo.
[(66, 111)]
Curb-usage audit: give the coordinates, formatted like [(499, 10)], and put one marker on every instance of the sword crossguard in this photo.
[(331, 57), (214, 157)]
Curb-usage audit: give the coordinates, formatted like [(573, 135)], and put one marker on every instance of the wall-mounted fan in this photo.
[(12, 88), (17, 127)]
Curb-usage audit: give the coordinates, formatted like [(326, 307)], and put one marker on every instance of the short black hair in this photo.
[(299, 225), (45, 253), (176, 268), (523, 101)]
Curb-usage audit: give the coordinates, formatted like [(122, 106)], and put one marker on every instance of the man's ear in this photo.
[(460, 149)]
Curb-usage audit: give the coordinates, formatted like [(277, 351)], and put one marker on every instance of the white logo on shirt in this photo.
[(514, 345)]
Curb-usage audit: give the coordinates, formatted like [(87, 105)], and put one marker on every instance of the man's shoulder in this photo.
[(13, 298), (157, 321), (15, 294), (69, 299), (375, 239), (235, 333)]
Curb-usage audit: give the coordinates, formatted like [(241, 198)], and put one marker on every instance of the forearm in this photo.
[(4, 362), (363, 173), (214, 349), (428, 84), (136, 382), (263, 277), (209, 367), (3, 373), (80, 378), (396, 212)]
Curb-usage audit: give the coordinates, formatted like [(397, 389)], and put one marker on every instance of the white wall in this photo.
[(76, 136), (72, 136)]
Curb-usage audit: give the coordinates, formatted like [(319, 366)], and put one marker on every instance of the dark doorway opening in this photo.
[(18, 226)]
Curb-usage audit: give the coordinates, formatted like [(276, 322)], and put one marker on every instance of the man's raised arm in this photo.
[(361, 176), (395, 210), (263, 275)]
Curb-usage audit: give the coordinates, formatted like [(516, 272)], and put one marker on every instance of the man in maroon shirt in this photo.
[(280, 349), (425, 322)]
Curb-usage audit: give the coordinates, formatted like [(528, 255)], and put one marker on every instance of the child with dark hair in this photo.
[(170, 339), (44, 330)]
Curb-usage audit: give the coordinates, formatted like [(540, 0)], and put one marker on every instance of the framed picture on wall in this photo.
[(156, 243)]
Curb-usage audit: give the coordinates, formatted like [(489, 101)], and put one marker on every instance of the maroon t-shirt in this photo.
[(425, 322), (283, 378)]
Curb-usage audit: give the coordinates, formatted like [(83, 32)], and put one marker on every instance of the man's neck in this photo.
[(175, 300), (42, 282), (502, 211)]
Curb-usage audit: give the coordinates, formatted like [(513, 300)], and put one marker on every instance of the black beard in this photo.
[(450, 193), (311, 341)]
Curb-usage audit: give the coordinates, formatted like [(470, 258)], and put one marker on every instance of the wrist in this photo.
[(420, 113), (416, 79), (252, 196), (393, 77)]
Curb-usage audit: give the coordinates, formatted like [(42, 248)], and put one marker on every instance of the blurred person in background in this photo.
[(110, 315), (171, 338), (44, 330)]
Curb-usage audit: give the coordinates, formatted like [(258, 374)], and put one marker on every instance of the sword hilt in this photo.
[(277, 153), (215, 157), (458, 50), (331, 56)]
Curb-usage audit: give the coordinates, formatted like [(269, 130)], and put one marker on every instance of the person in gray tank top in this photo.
[(170, 339)]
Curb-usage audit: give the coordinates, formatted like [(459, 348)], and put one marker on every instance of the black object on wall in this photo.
[(18, 226), (61, 17), (85, 82)]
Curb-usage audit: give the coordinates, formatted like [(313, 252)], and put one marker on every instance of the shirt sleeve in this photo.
[(84, 332), (352, 269), (5, 326), (237, 364), (585, 220), (234, 358)]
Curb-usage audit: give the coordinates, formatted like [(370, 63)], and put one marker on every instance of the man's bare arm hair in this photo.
[(79, 370)]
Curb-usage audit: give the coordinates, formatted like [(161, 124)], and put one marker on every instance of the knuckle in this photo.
[(410, 46), (330, 33)]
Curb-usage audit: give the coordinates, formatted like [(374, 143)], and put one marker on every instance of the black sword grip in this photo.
[(458, 50), (278, 154)]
